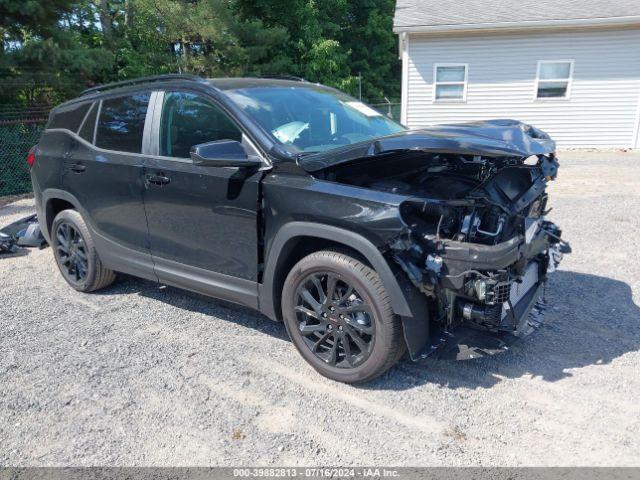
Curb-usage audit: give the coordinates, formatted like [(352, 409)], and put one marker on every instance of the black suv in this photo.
[(366, 239)]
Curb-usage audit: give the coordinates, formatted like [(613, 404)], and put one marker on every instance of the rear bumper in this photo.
[(40, 210)]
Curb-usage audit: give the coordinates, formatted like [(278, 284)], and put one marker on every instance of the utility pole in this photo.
[(360, 85)]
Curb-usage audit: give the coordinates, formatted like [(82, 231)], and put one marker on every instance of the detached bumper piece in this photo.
[(7, 244), (23, 233)]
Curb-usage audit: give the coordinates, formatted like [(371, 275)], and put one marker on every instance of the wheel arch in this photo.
[(286, 250), (53, 202)]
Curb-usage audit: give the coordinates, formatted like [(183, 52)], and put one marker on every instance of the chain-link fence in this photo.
[(17, 136), (391, 109)]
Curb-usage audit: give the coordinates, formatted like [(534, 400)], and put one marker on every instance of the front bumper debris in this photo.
[(23, 233), (483, 297), (468, 341)]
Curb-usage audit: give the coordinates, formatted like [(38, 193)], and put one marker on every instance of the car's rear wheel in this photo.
[(75, 253), (339, 316)]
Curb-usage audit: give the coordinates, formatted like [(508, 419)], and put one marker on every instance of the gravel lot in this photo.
[(140, 374)]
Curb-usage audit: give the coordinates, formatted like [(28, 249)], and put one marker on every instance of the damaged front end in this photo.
[(487, 279), (481, 251), (475, 240)]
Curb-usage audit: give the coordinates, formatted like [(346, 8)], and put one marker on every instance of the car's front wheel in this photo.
[(339, 316)]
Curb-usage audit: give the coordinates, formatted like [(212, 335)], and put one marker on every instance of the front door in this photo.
[(202, 220)]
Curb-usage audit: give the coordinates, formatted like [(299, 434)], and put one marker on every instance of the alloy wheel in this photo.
[(71, 252), (334, 319)]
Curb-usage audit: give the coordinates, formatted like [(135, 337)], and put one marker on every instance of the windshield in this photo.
[(312, 119)]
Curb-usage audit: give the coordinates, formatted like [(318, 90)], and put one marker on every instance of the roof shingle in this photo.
[(439, 13)]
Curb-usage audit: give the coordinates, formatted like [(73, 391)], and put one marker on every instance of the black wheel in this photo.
[(339, 317), (76, 255)]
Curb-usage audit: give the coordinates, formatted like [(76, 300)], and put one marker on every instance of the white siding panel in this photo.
[(602, 110)]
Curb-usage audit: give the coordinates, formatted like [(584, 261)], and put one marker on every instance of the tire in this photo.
[(76, 255), (364, 312)]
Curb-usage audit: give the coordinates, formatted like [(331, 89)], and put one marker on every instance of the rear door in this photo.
[(202, 220), (103, 170)]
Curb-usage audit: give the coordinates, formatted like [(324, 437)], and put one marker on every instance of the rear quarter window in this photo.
[(69, 117), (121, 123), (88, 127)]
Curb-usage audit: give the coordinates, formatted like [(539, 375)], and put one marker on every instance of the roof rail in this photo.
[(135, 81), (282, 77)]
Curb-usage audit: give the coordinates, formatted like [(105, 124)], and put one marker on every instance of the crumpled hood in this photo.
[(491, 138)]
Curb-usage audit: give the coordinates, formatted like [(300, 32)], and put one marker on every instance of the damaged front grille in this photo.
[(493, 311), (501, 293)]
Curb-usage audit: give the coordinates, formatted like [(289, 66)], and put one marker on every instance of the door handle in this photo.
[(157, 179), (71, 149), (78, 168)]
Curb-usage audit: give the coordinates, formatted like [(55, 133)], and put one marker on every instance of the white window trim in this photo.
[(636, 132), (567, 95), (436, 83), (404, 94)]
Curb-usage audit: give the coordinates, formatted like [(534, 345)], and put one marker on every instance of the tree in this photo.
[(33, 15), (53, 49), (44, 57), (205, 37), (334, 41), (373, 47)]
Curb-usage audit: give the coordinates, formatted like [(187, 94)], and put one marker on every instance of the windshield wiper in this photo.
[(304, 154)]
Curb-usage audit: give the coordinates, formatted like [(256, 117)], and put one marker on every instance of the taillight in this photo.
[(31, 158)]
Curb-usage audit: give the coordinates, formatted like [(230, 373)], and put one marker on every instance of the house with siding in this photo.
[(569, 67)]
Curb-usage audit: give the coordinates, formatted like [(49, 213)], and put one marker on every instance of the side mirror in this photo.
[(223, 153)]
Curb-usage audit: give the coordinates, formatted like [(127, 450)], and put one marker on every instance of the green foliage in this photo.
[(335, 41), (16, 15), (54, 48)]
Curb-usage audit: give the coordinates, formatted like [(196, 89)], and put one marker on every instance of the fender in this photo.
[(335, 234), (406, 301), (51, 194)]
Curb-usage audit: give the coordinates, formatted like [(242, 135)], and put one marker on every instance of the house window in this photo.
[(554, 79), (450, 82)]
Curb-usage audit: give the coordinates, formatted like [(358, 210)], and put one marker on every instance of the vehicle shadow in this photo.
[(195, 302), (21, 252), (590, 320)]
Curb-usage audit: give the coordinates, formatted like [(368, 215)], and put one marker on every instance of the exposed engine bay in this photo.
[(465, 199), (476, 238)]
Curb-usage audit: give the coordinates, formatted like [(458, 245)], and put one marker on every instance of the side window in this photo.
[(89, 125), (450, 82), (121, 123), (554, 79), (189, 119), (69, 117)]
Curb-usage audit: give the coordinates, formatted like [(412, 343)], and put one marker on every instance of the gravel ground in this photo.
[(140, 374)]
